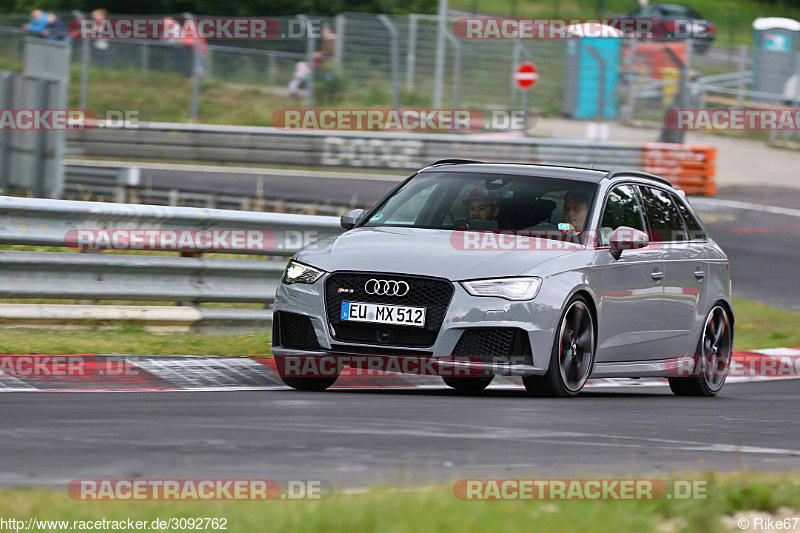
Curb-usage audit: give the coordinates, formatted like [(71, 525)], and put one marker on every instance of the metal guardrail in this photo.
[(124, 184), (140, 277), (44, 222), (355, 149)]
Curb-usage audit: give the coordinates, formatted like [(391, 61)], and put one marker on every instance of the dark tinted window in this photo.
[(663, 217), (695, 233), (622, 209)]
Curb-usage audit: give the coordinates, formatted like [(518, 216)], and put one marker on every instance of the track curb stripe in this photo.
[(119, 373)]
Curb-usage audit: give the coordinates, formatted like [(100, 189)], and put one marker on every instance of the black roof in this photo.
[(546, 171)]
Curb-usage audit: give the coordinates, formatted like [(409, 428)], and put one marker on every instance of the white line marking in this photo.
[(713, 202)]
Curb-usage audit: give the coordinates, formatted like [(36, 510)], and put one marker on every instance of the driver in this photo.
[(576, 207), (481, 207)]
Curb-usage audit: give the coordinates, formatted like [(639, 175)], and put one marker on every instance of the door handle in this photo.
[(699, 274), (657, 275)]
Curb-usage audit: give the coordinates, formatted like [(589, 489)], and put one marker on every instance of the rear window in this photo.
[(695, 232)]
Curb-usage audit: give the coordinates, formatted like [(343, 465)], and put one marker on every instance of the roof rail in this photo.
[(454, 162), (641, 174)]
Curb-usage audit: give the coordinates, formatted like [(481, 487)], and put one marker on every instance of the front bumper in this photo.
[(536, 319)]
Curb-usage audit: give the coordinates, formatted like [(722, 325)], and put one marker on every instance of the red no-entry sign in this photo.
[(526, 75)]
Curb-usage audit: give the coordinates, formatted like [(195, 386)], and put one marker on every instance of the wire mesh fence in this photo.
[(383, 61)]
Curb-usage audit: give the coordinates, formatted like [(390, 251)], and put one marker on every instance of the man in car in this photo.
[(576, 208), (481, 207)]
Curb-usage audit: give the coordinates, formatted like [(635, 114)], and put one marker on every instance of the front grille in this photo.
[(294, 331), (432, 293), (493, 343)]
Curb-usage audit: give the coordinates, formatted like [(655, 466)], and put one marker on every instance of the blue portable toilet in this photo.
[(582, 71), (775, 42)]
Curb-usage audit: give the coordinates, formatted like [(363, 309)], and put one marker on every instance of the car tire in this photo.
[(309, 384), (714, 347), (470, 384), (570, 365)]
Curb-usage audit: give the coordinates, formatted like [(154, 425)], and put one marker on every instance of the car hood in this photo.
[(431, 252)]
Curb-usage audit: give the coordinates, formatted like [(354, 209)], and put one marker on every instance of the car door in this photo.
[(685, 267), (631, 296)]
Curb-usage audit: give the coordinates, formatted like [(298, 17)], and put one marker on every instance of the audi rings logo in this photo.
[(386, 287)]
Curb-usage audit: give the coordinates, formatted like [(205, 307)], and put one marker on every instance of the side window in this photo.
[(666, 224), (622, 209), (695, 232)]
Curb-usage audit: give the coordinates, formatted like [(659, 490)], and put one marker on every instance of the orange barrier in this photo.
[(690, 167), (651, 57)]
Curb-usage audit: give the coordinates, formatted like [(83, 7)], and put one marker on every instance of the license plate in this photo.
[(400, 315)]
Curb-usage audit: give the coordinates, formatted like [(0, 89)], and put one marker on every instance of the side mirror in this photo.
[(625, 238), (351, 218)]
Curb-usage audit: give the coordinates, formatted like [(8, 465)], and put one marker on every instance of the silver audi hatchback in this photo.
[(555, 274)]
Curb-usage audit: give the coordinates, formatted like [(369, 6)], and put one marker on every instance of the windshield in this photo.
[(486, 201)]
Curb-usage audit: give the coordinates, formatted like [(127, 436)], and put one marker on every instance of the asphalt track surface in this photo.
[(763, 247), (354, 438)]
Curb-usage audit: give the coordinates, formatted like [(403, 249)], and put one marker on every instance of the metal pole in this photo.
[(632, 77), (456, 68), (310, 45), (145, 56), (394, 59), (338, 45), (514, 63), (86, 54), (40, 143), (680, 101), (195, 71), (411, 54), (743, 77), (525, 96), (438, 75), (601, 94), (271, 70), (7, 94)]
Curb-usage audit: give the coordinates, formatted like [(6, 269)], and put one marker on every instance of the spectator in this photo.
[(327, 48), (55, 29), (101, 52), (175, 56), (37, 23), (192, 39), (299, 79), (325, 53)]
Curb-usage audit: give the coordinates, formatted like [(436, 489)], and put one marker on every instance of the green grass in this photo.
[(757, 326), (131, 339), (435, 508), (762, 326)]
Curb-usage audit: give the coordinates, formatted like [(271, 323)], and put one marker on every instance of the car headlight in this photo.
[(299, 273), (508, 288)]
